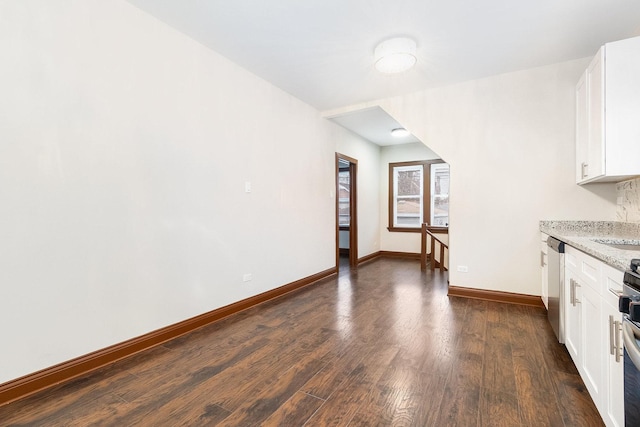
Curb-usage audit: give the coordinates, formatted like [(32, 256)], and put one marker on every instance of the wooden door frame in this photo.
[(353, 209)]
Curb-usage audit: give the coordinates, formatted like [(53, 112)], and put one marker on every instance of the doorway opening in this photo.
[(346, 210)]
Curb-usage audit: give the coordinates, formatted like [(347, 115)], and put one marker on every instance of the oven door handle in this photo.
[(629, 336)]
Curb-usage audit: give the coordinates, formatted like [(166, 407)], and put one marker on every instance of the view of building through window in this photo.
[(419, 192), (408, 194), (344, 191), (439, 195)]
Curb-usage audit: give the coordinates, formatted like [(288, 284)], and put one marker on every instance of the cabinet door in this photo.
[(595, 122), (622, 108), (572, 316), (613, 413), (614, 366), (607, 110), (544, 268), (593, 353)]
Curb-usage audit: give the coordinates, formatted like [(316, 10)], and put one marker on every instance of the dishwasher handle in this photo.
[(555, 244)]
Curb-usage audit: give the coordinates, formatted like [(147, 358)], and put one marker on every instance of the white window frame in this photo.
[(396, 171), (435, 168), (426, 197)]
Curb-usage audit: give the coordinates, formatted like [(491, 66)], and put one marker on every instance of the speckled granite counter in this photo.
[(580, 235)]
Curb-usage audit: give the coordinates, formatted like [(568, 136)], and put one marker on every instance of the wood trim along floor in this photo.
[(497, 296), (388, 254), (31, 383), (403, 255), (368, 258)]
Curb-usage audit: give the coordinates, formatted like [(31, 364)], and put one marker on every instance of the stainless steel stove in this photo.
[(629, 305)]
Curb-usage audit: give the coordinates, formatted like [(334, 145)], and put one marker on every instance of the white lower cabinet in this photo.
[(544, 269), (593, 353), (592, 334), (572, 317), (614, 361)]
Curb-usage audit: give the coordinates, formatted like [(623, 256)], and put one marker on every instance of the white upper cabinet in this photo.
[(607, 115)]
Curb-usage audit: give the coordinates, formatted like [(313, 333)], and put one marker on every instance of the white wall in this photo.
[(510, 142), (398, 241), (124, 151), (125, 147), (368, 156)]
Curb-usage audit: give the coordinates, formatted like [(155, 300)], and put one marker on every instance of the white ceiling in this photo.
[(321, 51), (373, 124)]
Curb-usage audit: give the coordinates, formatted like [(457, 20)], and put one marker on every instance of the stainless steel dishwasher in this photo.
[(556, 286)]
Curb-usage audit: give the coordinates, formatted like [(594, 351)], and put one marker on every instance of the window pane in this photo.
[(408, 202), (343, 212), (441, 211), (409, 205), (409, 182), (441, 180), (407, 221), (440, 195), (344, 189)]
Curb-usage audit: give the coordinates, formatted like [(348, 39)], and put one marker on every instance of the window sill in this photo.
[(436, 229), (404, 229)]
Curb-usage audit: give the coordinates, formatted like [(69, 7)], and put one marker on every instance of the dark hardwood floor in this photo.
[(381, 346)]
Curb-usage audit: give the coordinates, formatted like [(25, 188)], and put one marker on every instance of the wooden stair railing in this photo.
[(424, 256)]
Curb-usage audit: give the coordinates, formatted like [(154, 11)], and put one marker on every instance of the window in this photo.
[(439, 189), (408, 183), (344, 190), (418, 190)]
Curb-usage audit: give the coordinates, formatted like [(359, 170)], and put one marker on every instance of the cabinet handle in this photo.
[(571, 292), (617, 325), (541, 259), (585, 169), (612, 332)]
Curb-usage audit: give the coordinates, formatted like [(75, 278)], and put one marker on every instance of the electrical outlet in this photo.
[(463, 269), (247, 187), (247, 277)]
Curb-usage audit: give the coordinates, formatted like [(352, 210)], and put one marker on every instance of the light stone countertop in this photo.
[(580, 235)]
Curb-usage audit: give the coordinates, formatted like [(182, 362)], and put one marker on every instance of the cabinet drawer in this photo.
[(571, 258), (590, 271), (611, 283), (587, 268)]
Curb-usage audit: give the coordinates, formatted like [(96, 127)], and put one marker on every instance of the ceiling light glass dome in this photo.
[(395, 55)]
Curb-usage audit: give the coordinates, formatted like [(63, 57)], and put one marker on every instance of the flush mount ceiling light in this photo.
[(399, 132), (395, 55)]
